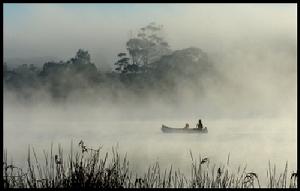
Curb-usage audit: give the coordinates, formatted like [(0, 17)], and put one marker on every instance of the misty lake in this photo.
[(248, 141), (80, 77)]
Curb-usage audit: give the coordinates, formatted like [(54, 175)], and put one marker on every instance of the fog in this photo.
[(136, 131), (250, 113)]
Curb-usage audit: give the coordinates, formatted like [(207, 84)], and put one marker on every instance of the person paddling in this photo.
[(199, 125), (186, 126)]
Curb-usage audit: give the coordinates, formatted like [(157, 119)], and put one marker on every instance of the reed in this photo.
[(90, 168)]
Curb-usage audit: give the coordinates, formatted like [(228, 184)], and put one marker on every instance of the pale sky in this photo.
[(59, 30)]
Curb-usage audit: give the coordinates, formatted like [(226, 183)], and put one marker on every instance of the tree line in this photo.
[(147, 65)]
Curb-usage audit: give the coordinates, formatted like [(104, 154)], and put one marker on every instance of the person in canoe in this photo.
[(187, 126), (199, 125)]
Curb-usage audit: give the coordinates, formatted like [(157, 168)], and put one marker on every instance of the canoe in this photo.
[(166, 129)]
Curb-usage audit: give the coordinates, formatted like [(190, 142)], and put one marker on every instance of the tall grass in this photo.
[(90, 168)]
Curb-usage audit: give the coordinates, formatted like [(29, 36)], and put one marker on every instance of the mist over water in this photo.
[(251, 141), (250, 110)]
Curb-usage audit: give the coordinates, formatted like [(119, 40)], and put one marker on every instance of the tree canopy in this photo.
[(147, 65), (148, 46)]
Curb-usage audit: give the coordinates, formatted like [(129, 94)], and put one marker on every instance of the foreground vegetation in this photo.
[(89, 168)]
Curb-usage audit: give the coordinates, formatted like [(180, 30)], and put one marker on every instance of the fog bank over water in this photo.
[(251, 141), (255, 82), (252, 46), (247, 96)]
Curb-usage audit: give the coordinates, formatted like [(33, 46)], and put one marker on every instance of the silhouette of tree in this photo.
[(122, 63), (148, 46), (81, 57)]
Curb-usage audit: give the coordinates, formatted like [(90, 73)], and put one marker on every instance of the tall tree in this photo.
[(81, 57), (148, 46)]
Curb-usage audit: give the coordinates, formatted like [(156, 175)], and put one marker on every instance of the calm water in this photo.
[(249, 141)]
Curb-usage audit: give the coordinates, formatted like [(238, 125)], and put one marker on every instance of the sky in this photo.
[(59, 30)]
